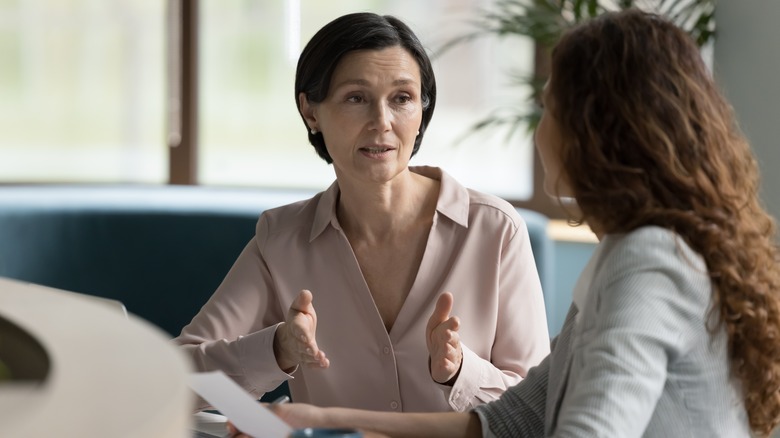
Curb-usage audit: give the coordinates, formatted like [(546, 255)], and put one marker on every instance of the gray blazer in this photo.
[(637, 360)]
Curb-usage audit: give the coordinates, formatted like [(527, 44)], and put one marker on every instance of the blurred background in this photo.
[(200, 91), (92, 91)]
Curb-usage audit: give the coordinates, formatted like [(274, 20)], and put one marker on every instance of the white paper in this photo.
[(210, 423), (238, 406)]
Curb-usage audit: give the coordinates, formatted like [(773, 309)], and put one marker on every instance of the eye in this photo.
[(354, 98), (403, 98)]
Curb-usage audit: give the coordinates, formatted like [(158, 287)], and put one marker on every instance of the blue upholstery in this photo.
[(161, 250)]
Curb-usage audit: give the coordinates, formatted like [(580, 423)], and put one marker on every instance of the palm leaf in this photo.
[(544, 21)]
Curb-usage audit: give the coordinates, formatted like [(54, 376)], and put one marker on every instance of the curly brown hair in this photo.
[(648, 139)]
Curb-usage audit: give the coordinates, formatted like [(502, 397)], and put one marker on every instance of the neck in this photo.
[(378, 211)]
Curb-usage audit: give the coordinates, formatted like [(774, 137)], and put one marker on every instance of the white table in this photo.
[(110, 375)]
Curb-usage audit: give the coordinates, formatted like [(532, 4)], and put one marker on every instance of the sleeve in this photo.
[(642, 316), (234, 331), (522, 339), (520, 411)]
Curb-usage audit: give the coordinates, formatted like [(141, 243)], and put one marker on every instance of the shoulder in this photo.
[(654, 268), (285, 218), (468, 207), (651, 246), (491, 214), (484, 206), (480, 200)]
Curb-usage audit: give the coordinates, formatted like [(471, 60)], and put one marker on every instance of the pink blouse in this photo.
[(478, 249)]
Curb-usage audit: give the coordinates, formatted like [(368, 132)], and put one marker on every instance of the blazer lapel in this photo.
[(560, 361), (560, 365)]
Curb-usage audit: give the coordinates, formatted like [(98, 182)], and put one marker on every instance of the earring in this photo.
[(418, 132), (314, 131)]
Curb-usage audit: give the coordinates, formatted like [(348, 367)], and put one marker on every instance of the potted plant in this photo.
[(544, 21)]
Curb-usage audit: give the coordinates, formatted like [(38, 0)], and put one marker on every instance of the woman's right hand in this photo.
[(295, 342), (300, 415), (443, 340), (296, 415)]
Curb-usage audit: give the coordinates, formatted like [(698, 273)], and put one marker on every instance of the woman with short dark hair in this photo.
[(426, 293)]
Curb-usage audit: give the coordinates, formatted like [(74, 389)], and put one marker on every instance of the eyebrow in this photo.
[(363, 82)]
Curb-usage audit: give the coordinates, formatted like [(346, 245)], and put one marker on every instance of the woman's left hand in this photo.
[(235, 433), (443, 341), (297, 415), (302, 415)]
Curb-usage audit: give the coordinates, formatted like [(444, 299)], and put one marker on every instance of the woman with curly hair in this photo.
[(674, 329)]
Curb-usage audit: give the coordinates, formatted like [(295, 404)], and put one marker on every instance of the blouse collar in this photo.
[(453, 201)]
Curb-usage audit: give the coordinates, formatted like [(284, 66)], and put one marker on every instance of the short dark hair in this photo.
[(358, 31)]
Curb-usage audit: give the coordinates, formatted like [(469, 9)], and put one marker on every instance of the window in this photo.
[(82, 91), (251, 133), (88, 98)]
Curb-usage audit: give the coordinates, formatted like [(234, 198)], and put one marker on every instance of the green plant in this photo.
[(545, 20)]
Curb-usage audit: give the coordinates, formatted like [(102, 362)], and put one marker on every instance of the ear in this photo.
[(308, 110)]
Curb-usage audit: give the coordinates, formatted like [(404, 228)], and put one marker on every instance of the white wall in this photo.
[(747, 67)]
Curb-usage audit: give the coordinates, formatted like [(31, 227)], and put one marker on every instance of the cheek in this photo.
[(541, 142), (548, 142), (412, 117), (408, 128)]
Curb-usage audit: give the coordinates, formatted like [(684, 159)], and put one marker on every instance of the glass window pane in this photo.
[(251, 133), (82, 91)]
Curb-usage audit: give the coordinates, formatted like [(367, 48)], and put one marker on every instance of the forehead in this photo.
[(394, 61)]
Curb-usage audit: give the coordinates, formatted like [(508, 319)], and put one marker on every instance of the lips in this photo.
[(376, 150)]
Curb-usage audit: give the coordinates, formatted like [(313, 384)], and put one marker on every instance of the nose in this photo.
[(381, 117)]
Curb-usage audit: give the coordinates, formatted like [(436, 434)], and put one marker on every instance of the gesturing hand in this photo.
[(295, 342), (443, 340)]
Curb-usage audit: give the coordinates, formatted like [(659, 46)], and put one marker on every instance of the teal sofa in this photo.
[(161, 250)]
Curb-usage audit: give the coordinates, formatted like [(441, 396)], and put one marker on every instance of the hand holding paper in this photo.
[(237, 405)]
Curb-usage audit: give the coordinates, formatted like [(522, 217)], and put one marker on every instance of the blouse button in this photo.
[(387, 350), (393, 405)]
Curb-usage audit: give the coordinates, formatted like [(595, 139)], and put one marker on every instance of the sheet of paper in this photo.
[(238, 406), (210, 423)]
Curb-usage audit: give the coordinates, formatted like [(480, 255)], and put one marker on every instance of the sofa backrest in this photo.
[(162, 251)]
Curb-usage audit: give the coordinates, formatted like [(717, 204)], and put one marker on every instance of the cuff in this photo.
[(258, 362), (462, 394)]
